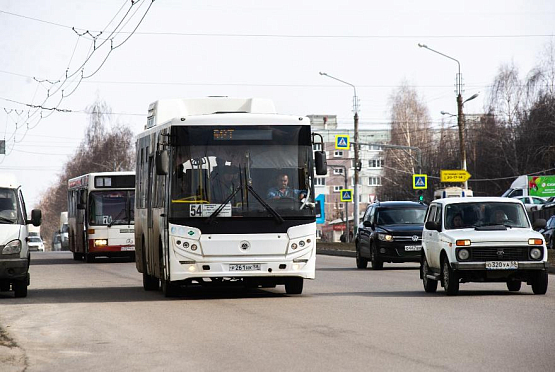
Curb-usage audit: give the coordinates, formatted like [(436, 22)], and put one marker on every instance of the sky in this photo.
[(198, 48)]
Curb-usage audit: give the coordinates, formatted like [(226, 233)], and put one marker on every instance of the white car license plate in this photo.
[(413, 247), (501, 265), (127, 248), (244, 267)]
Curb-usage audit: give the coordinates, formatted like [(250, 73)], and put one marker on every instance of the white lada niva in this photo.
[(486, 239)]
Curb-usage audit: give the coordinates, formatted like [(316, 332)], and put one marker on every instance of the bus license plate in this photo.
[(501, 265), (127, 248), (413, 247), (244, 267)]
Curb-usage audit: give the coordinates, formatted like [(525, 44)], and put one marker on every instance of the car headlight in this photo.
[(385, 237), (463, 254), (12, 247), (535, 253)]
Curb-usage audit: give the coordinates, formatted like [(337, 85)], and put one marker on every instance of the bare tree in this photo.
[(410, 126)]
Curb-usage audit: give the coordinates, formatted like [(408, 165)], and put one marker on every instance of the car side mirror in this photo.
[(431, 225), (367, 224), (321, 163), (36, 217), (540, 223)]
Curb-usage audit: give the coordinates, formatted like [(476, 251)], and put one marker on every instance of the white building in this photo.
[(372, 159)]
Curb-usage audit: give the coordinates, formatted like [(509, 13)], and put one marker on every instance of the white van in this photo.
[(14, 251)]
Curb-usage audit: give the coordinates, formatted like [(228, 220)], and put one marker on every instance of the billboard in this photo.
[(543, 186)]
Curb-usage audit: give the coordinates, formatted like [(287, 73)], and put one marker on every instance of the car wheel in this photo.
[(362, 262), (539, 282), (450, 279), (20, 287), (514, 285), (377, 264), (430, 285), (294, 286)]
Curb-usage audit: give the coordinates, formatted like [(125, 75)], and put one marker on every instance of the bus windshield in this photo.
[(111, 207), (250, 170)]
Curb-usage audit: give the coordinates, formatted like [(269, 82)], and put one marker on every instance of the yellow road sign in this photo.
[(419, 181), (346, 195), (342, 142), (454, 175)]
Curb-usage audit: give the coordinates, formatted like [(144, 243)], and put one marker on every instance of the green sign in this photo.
[(543, 186)]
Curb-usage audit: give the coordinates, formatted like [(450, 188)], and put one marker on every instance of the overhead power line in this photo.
[(295, 36)]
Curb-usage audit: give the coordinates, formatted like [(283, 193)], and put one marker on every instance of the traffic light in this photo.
[(420, 196)]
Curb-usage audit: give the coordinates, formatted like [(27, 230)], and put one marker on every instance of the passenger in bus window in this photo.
[(282, 190)]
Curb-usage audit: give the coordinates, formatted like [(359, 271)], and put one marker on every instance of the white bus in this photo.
[(100, 215), (187, 230)]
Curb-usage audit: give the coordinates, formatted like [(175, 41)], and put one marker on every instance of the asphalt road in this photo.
[(96, 317)]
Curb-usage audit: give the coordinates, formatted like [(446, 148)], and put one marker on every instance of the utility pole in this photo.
[(462, 131)]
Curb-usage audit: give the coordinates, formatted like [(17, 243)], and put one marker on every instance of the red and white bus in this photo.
[(101, 215)]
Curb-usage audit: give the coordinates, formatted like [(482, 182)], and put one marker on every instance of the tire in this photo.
[(77, 256), (150, 283), (539, 282), (430, 285), (4, 286), (20, 287), (514, 285), (362, 262), (169, 289), (294, 286), (89, 258), (377, 264), (450, 279)]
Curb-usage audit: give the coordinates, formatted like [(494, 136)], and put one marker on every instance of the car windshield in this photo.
[(8, 206), (35, 240), (111, 207), (391, 216), (465, 215)]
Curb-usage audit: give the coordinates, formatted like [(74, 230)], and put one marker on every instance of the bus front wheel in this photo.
[(294, 286)]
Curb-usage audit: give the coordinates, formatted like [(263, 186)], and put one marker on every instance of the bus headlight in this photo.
[(535, 253), (12, 247), (100, 242)]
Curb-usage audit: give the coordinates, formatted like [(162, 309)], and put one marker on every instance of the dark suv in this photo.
[(390, 232)]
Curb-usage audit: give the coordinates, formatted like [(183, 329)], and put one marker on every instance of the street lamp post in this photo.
[(332, 166), (460, 116), (355, 110)]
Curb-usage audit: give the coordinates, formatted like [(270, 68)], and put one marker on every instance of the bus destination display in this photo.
[(242, 135)]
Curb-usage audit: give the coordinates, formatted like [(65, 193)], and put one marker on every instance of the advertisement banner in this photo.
[(543, 186)]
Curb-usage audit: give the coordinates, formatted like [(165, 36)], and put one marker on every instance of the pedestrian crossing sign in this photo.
[(342, 142), (346, 195), (419, 181)]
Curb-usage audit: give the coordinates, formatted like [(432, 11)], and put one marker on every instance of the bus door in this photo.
[(80, 225), (150, 242)]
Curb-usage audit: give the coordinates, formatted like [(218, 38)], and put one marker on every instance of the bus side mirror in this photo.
[(539, 224), (321, 163), (36, 217), (162, 163)]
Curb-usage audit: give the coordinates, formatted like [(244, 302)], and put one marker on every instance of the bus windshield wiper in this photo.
[(222, 206), (124, 210), (276, 215)]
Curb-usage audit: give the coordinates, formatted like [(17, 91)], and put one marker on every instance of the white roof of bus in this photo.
[(8, 180)]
